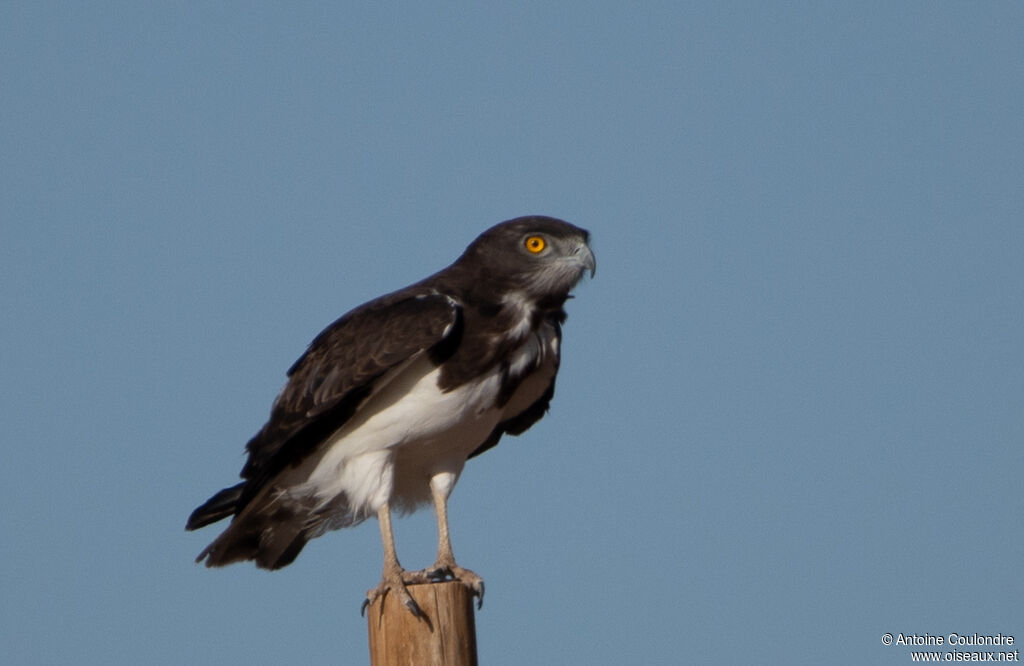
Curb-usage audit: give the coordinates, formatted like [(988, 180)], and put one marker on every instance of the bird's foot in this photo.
[(444, 571), (395, 581)]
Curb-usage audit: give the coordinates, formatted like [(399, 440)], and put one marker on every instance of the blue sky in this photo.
[(789, 417)]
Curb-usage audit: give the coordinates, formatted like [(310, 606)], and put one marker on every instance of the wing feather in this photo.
[(340, 369)]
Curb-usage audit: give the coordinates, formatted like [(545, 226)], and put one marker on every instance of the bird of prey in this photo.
[(386, 405)]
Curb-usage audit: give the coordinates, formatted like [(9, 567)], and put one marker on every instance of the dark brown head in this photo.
[(541, 257)]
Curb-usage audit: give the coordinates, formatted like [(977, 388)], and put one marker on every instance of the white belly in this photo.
[(409, 431)]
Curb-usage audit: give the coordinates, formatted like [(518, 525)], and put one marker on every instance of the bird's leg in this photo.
[(394, 578), (445, 567)]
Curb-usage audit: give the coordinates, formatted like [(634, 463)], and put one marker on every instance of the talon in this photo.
[(395, 581), (414, 608), (362, 609)]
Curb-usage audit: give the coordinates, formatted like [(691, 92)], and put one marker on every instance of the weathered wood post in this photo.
[(446, 637)]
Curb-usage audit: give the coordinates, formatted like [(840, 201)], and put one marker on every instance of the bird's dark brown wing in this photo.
[(340, 369)]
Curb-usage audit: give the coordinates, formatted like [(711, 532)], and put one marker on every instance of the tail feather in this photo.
[(267, 530), (271, 547), (218, 507)]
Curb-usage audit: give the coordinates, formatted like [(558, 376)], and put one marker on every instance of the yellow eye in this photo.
[(535, 244)]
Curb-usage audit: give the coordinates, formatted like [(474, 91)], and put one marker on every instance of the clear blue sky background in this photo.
[(791, 411)]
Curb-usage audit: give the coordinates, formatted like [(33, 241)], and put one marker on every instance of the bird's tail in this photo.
[(264, 529), (218, 507)]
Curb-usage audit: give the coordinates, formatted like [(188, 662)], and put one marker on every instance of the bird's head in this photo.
[(542, 257)]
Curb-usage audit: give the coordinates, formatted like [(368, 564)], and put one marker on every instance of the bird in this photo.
[(386, 405)]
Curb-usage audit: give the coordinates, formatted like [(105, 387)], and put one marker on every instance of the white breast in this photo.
[(410, 430)]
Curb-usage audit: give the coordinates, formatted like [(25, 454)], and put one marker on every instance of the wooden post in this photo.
[(446, 637)]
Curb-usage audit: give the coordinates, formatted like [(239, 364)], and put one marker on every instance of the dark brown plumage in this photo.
[(448, 365)]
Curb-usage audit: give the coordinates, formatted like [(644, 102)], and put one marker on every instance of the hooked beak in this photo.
[(585, 256)]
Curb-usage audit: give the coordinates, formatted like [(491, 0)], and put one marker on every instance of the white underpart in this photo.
[(522, 306), (540, 350), (410, 432)]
